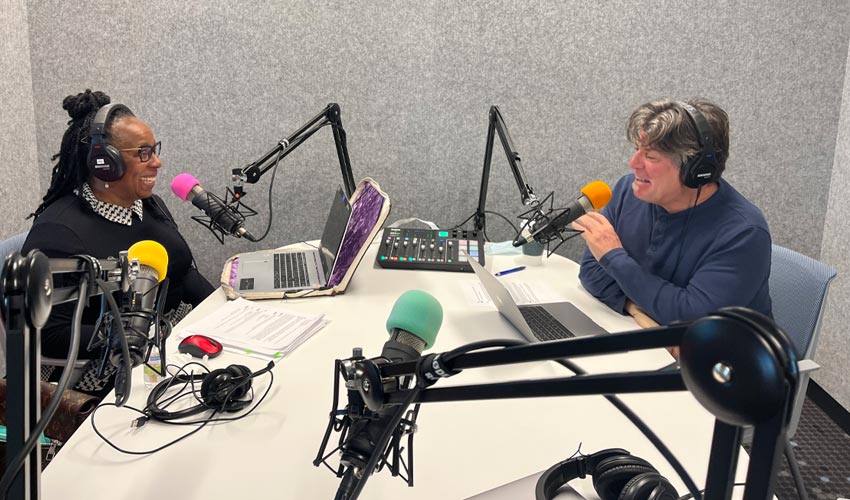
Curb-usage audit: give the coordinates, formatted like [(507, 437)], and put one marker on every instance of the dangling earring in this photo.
[(106, 185)]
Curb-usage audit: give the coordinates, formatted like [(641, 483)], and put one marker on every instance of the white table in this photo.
[(460, 449)]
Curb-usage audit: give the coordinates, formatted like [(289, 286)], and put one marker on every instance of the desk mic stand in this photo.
[(737, 363), (27, 293), (328, 116), (527, 196)]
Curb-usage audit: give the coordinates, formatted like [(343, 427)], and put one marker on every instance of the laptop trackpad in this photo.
[(571, 317)]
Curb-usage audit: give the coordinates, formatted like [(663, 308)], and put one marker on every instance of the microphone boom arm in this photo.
[(27, 293), (328, 116), (497, 125), (752, 383)]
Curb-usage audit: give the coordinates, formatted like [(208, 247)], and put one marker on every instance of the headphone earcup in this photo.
[(227, 385), (105, 162), (648, 486), (612, 475), (698, 171)]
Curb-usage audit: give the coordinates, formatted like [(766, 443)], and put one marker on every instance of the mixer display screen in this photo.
[(434, 249)]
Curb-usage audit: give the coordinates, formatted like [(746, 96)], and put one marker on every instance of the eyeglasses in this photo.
[(146, 152)]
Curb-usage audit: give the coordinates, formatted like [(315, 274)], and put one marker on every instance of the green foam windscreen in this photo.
[(419, 313)]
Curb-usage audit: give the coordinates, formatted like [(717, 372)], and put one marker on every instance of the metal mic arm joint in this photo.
[(328, 116)]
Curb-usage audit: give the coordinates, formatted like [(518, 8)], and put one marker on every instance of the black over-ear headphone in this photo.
[(222, 390), (704, 166), (104, 161), (617, 475)]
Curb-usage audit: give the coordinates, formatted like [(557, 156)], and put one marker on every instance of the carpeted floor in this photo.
[(822, 449)]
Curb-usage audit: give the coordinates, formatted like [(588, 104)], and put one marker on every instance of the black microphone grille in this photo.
[(408, 339)]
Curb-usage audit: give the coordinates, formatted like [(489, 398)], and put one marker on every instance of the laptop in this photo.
[(523, 489), (294, 270), (537, 322)]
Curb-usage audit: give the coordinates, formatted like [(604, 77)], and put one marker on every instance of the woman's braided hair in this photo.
[(71, 171)]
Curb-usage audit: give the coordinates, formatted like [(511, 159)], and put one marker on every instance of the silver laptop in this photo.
[(294, 270), (537, 322), (523, 489)]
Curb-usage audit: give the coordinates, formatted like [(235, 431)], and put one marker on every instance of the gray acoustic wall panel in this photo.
[(222, 82), (20, 189), (833, 352)]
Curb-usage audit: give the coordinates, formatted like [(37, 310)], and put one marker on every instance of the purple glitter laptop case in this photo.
[(369, 210)]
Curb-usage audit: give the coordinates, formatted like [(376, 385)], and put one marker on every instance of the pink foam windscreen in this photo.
[(182, 184)]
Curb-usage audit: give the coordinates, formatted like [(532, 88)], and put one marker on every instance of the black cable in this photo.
[(271, 186), (647, 432), (684, 231), (120, 399), (161, 416), (64, 381), (462, 223), (614, 400), (513, 226)]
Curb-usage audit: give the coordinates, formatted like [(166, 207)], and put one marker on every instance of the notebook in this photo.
[(294, 270), (537, 322)]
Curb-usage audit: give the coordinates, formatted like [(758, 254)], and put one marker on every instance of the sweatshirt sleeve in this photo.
[(596, 280), (731, 274)]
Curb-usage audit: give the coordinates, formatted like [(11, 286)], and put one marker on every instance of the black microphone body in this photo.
[(548, 231), (221, 215), (367, 430), (139, 317)]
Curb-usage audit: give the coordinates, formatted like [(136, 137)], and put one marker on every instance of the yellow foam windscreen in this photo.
[(598, 193), (151, 254)]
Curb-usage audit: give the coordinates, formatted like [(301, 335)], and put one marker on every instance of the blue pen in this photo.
[(509, 271)]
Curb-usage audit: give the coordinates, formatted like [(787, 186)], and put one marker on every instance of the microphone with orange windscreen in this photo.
[(544, 228)]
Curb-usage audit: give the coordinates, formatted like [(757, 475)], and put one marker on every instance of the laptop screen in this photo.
[(334, 230)]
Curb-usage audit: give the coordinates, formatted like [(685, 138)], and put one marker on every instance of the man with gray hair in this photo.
[(676, 239)]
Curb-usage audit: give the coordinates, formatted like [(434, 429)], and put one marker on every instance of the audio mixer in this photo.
[(434, 249)]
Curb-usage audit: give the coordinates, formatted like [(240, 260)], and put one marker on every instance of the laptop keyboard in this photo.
[(544, 325), (290, 270)]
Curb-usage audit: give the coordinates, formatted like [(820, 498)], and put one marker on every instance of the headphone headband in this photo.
[(98, 126)]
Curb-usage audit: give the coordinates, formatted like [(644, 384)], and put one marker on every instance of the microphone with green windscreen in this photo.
[(415, 320), (412, 324)]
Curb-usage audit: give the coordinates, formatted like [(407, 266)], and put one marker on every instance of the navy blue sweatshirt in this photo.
[(723, 258)]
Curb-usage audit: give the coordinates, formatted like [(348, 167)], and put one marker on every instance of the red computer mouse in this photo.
[(200, 346)]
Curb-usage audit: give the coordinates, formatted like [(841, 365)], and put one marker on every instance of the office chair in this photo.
[(798, 289), (7, 246)]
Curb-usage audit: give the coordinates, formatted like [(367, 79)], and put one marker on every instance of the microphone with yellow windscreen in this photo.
[(153, 268)]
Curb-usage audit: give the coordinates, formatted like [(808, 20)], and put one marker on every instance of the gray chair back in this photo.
[(798, 288), (12, 244), (7, 246)]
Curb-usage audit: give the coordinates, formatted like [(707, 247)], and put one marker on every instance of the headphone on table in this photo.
[(704, 166), (617, 475), (222, 389), (104, 160)]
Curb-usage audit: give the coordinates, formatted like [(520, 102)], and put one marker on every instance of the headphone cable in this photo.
[(145, 414)]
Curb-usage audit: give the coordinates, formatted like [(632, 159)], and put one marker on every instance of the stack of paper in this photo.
[(254, 329)]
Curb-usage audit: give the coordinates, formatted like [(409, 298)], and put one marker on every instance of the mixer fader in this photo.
[(434, 249)]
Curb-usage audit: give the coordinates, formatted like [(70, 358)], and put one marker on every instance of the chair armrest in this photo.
[(806, 366)]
